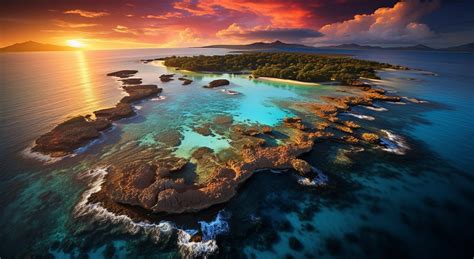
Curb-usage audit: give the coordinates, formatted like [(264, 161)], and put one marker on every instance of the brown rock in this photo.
[(121, 110), (131, 81), (201, 152), (217, 83), (185, 80), (166, 77), (351, 139), (170, 138), (371, 137), (203, 130), (123, 73), (301, 166), (295, 122), (139, 92), (223, 119), (70, 135)]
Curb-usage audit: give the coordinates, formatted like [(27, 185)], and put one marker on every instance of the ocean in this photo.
[(415, 201)]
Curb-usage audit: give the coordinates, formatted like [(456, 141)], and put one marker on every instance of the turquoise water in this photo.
[(377, 204)]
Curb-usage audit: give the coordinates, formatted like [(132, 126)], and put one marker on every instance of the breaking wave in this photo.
[(319, 180), (359, 116), (394, 143), (375, 108), (207, 245), (231, 92), (157, 232), (413, 100), (399, 103), (159, 98), (46, 159), (85, 208)]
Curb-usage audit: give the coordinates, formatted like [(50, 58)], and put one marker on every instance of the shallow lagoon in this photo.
[(380, 205)]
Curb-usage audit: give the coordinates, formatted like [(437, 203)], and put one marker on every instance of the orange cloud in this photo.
[(166, 16), (280, 13), (64, 24), (125, 29), (399, 23), (87, 14)]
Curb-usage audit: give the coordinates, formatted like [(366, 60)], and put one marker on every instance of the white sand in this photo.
[(262, 78)]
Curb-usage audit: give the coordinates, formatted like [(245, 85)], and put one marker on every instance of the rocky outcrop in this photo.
[(77, 132), (223, 119), (123, 73), (217, 83), (139, 92), (166, 77), (301, 166), (294, 122), (204, 130), (140, 184), (253, 130), (131, 81), (371, 137), (185, 80), (170, 138), (121, 110), (69, 136)]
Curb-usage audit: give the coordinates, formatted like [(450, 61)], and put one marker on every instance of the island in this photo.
[(294, 66), (34, 46), (155, 182)]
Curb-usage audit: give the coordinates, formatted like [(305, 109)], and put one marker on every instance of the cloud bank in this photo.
[(397, 24), (235, 31), (87, 14)]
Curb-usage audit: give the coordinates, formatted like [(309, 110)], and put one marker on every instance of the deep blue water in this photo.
[(376, 204)]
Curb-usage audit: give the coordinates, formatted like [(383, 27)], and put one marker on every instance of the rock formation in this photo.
[(217, 83)]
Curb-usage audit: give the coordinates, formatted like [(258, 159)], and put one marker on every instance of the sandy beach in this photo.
[(273, 79)]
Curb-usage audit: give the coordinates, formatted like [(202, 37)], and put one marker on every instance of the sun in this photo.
[(75, 43)]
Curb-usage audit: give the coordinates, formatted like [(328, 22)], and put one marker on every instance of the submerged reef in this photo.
[(159, 181), (159, 185)]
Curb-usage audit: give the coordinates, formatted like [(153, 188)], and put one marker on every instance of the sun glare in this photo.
[(75, 43)]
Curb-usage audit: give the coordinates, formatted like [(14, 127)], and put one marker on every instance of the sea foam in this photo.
[(394, 143), (319, 180), (209, 230), (157, 232), (375, 108), (100, 214), (159, 98), (359, 116)]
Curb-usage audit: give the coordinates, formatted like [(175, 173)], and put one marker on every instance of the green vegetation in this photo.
[(295, 66)]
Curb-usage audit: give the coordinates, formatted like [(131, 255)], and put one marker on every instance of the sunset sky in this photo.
[(101, 24)]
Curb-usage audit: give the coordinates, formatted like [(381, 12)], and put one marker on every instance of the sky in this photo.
[(104, 24)]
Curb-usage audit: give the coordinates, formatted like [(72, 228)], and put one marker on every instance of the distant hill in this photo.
[(465, 48), (278, 45), (262, 45), (420, 47), (34, 46)]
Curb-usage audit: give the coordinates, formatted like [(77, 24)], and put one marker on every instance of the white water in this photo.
[(394, 143)]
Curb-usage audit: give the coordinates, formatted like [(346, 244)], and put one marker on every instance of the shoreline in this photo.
[(289, 81)]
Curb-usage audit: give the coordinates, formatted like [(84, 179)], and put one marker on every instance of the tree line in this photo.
[(295, 66)]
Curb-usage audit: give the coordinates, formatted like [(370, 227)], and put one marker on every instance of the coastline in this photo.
[(289, 81)]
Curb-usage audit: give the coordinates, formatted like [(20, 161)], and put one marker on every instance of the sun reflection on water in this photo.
[(85, 79)]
